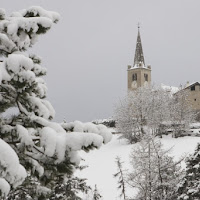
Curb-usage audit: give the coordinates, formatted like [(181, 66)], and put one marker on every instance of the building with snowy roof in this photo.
[(193, 94)]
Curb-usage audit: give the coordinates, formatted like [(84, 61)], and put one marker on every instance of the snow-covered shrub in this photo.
[(32, 145)]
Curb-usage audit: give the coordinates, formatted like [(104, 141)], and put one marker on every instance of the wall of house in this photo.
[(194, 97)]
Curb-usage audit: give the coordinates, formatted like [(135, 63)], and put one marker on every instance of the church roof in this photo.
[(139, 56)]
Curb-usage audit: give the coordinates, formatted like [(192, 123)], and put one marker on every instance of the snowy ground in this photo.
[(102, 162)]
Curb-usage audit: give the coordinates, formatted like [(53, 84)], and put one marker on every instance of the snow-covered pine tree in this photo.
[(121, 177), (33, 148), (70, 189), (189, 188)]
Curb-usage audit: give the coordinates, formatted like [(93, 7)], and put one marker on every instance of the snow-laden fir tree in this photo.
[(34, 150), (189, 188)]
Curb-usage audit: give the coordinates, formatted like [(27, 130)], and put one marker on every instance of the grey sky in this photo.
[(88, 51)]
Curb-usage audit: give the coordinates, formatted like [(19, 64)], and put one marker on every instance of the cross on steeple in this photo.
[(139, 57), (138, 25)]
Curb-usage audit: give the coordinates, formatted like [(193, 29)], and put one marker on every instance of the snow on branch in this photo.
[(100, 129), (37, 11), (23, 27), (12, 172), (4, 187)]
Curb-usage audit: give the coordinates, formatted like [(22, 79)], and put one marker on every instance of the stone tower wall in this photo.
[(140, 77)]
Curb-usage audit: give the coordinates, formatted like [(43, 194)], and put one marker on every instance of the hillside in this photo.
[(102, 162)]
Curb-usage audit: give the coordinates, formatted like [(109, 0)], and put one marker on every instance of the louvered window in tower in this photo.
[(146, 77), (134, 77)]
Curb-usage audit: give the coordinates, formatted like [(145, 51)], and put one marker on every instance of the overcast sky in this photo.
[(88, 51)]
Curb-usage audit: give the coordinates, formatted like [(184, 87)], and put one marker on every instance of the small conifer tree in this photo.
[(189, 188), (96, 195), (121, 177)]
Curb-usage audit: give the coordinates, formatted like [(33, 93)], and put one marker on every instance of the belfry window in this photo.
[(134, 77), (146, 77)]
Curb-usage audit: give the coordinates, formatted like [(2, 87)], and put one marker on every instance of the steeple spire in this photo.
[(139, 57)]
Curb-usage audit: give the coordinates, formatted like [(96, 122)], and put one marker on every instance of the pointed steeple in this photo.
[(139, 57)]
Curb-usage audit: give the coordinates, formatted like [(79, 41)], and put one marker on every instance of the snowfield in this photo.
[(102, 162)]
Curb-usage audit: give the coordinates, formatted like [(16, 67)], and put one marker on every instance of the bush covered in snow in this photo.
[(33, 148)]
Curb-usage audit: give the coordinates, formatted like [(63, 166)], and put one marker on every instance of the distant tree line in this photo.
[(107, 122)]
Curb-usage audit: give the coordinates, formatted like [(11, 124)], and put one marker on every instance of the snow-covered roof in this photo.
[(189, 86), (171, 89), (136, 66), (192, 84)]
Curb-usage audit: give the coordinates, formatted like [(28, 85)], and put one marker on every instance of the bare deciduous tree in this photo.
[(151, 109), (181, 113), (155, 175), (143, 107)]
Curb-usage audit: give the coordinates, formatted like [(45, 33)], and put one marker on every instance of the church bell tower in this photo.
[(139, 74)]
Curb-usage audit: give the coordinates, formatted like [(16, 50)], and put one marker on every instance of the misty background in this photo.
[(88, 51)]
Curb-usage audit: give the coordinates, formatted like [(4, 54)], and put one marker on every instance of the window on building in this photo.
[(134, 77), (195, 99), (146, 77), (193, 88)]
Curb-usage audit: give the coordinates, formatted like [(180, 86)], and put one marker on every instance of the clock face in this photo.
[(134, 84)]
